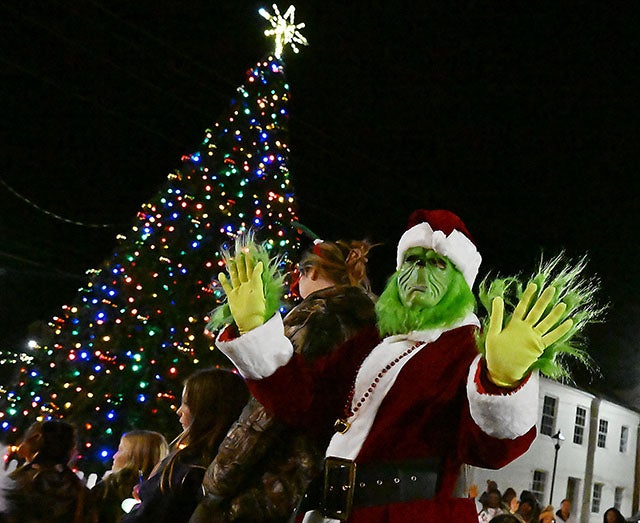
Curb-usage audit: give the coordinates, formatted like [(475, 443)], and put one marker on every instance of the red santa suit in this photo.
[(432, 403), (420, 404)]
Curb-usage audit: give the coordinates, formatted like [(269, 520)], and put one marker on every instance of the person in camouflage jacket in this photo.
[(263, 467)]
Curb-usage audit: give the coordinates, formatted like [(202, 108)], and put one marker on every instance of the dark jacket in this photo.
[(264, 467), (169, 505), (48, 493), (109, 494)]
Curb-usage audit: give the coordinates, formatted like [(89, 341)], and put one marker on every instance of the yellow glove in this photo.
[(512, 350), (245, 293)]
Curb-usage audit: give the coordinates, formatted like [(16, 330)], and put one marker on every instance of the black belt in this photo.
[(347, 485)]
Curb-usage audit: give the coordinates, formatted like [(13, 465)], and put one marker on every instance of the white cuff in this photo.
[(505, 416), (260, 352)]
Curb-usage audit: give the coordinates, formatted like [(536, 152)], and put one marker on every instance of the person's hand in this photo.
[(473, 491), (511, 350), (245, 293)]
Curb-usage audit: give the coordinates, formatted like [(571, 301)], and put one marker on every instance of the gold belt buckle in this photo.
[(339, 484)]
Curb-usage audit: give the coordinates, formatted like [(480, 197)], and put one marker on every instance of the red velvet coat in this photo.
[(425, 413)]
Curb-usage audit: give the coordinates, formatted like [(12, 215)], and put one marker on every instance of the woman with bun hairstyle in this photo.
[(264, 467)]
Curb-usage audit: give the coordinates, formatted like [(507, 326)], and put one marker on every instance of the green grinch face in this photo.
[(424, 277)]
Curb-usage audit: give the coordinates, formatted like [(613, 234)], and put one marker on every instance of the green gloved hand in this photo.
[(512, 350), (245, 293)]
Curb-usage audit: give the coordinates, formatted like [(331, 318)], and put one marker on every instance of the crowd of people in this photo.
[(495, 506), (150, 480), (232, 461), (127, 494), (328, 413)]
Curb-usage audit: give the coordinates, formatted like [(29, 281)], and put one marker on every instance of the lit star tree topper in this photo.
[(115, 358), (284, 29)]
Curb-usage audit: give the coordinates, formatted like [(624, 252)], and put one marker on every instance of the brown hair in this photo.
[(215, 398), (344, 261), (144, 450)]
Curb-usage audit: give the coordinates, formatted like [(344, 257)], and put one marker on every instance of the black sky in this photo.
[(522, 118)]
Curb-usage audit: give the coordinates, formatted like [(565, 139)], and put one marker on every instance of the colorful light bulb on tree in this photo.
[(116, 357)]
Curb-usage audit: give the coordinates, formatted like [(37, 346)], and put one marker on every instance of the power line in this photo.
[(47, 27), (93, 54), (163, 44), (86, 99), (359, 156), (308, 127), (52, 214), (56, 272)]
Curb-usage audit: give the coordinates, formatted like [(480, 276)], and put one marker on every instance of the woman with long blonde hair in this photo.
[(138, 453)]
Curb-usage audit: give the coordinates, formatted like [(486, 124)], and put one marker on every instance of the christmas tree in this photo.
[(115, 359)]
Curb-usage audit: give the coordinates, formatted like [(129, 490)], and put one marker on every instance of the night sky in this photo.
[(521, 118)]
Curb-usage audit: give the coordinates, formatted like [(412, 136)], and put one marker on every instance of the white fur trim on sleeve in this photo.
[(505, 416), (260, 352)]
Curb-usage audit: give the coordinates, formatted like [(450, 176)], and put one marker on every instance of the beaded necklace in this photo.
[(341, 425)]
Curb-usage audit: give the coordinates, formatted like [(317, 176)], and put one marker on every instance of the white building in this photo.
[(595, 465)]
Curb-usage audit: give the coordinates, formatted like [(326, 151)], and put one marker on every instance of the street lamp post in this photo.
[(558, 437)]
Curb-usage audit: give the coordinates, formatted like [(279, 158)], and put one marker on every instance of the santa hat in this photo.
[(445, 233)]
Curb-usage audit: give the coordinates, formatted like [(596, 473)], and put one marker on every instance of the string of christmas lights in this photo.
[(115, 358)]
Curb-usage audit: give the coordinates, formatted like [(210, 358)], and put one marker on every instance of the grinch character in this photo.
[(424, 391)]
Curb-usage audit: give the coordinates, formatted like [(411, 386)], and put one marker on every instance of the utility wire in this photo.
[(93, 54), (62, 88), (27, 261), (52, 214), (309, 127), (197, 63), (165, 45)]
